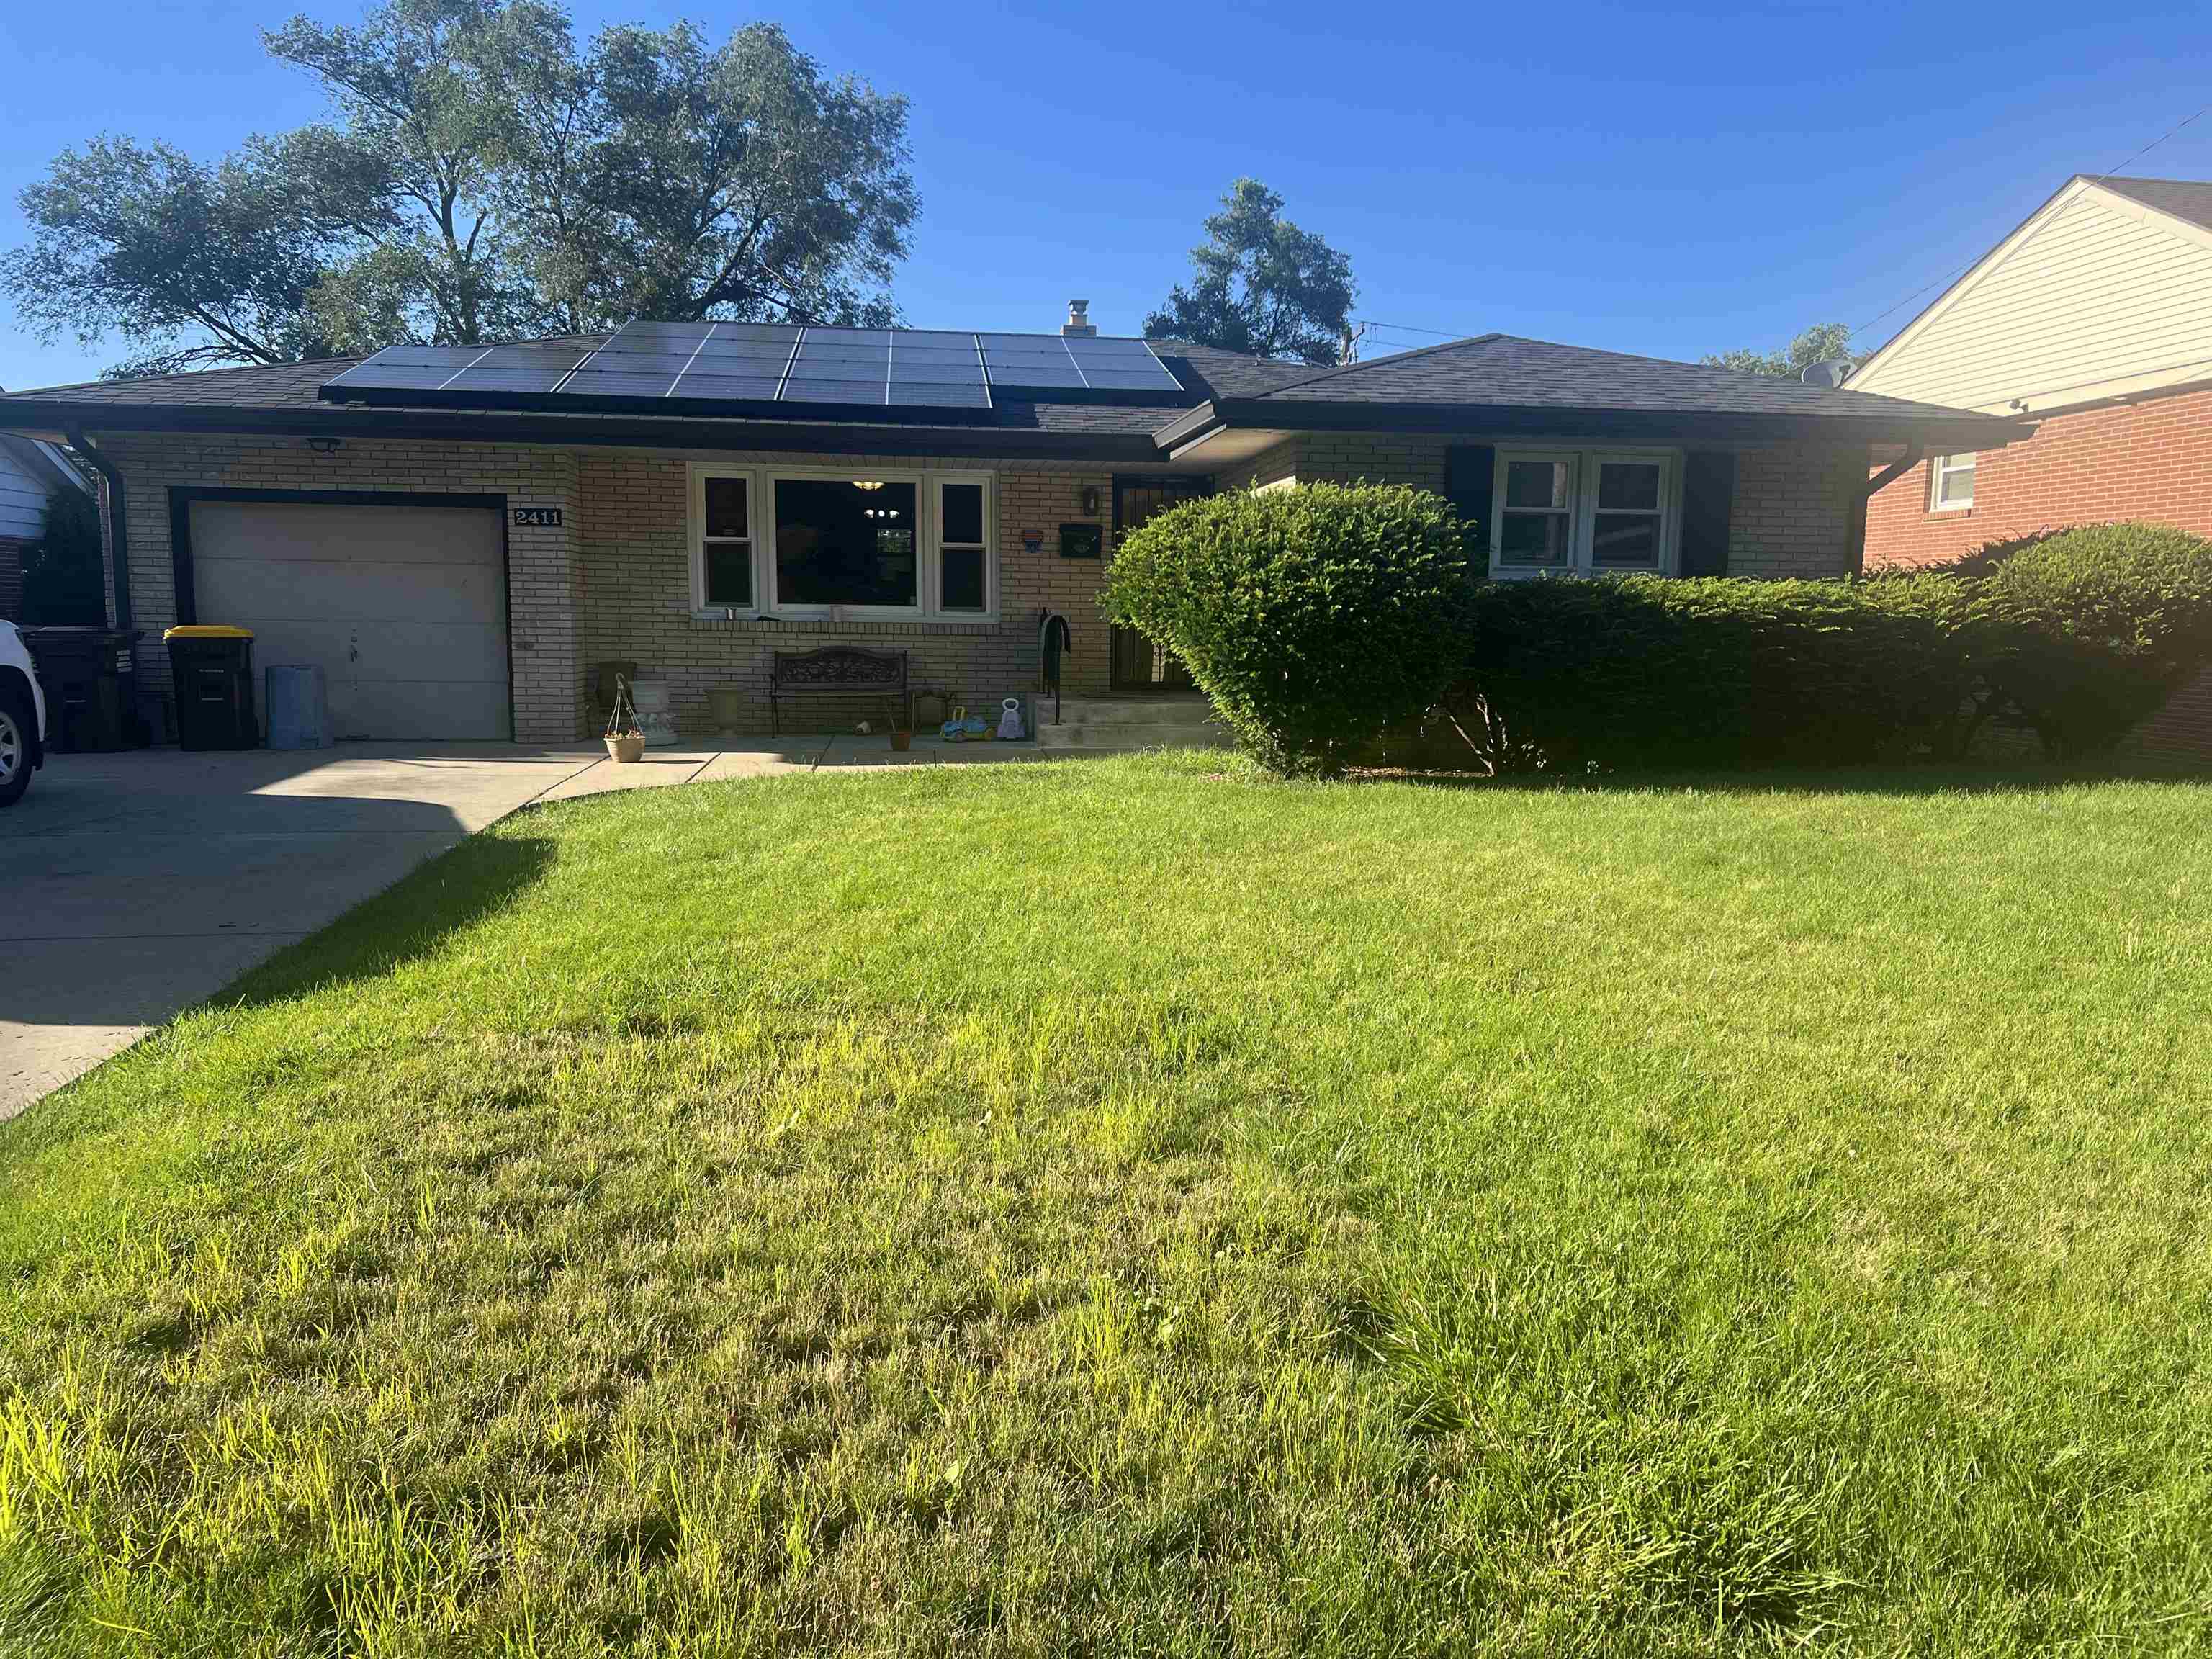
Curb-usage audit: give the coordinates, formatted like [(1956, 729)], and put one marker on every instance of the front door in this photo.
[(1140, 665)]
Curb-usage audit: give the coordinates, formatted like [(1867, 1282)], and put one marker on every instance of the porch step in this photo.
[(1129, 711), (1106, 725)]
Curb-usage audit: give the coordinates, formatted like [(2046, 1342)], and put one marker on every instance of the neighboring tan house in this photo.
[(31, 473), (2094, 319), (460, 535)]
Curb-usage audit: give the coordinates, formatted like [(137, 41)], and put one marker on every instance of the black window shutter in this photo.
[(1708, 492), (1467, 469)]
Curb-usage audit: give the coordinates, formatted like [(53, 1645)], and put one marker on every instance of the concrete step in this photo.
[(1126, 736), (1110, 711)]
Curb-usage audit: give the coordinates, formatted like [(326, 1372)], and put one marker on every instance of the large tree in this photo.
[(1260, 285), (482, 177), (1820, 344), (190, 266)]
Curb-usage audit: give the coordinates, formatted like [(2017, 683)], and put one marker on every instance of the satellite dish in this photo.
[(1834, 372)]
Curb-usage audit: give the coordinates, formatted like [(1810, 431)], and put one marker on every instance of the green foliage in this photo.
[(1260, 285), (483, 178), (1653, 670), (191, 265), (1313, 617), (1820, 344), (2088, 631), (2077, 636), (62, 582)]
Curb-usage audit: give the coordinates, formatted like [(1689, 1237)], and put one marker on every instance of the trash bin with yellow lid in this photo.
[(213, 664)]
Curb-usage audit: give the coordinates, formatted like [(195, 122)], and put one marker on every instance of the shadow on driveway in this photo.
[(134, 885)]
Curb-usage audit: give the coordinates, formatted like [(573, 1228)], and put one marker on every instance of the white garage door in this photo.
[(404, 607)]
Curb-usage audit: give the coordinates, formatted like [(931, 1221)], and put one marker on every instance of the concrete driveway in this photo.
[(134, 885)]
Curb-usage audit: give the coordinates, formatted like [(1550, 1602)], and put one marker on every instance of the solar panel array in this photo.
[(715, 364)]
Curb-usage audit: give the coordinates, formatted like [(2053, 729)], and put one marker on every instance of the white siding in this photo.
[(2096, 297), (23, 492)]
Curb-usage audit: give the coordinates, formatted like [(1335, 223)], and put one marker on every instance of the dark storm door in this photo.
[(1140, 665)]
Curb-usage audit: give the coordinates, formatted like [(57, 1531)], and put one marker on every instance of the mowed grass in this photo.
[(1137, 1208)]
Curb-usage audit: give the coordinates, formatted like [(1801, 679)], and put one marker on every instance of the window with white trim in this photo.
[(726, 539), (802, 542), (1535, 511), (1583, 510), (964, 544), (1950, 483)]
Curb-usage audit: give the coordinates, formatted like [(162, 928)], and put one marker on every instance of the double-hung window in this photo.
[(1583, 511), (1950, 482), (964, 544), (803, 542), (726, 542)]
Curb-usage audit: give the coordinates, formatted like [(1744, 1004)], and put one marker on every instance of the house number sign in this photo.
[(543, 516)]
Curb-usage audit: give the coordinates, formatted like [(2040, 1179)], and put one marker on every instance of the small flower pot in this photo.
[(627, 750), (901, 739)]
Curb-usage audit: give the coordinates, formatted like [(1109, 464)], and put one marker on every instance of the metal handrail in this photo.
[(1053, 636)]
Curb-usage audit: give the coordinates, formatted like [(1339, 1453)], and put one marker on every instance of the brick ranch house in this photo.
[(2094, 317), (459, 535)]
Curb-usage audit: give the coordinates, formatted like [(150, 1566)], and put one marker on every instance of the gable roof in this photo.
[(1489, 382), (2107, 253)]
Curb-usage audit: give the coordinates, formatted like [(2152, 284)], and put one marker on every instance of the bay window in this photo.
[(802, 542), (1583, 511)]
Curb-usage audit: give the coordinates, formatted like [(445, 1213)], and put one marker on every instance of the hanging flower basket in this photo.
[(625, 737)]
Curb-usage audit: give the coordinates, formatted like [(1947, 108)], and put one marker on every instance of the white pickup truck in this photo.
[(22, 717)]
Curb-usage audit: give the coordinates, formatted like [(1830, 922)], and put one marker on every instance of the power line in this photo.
[(2096, 177)]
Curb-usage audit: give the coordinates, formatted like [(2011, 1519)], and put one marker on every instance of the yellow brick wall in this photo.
[(613, 581)]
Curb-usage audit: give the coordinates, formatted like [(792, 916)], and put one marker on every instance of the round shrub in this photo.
[(1314, 617), (2088, 631)]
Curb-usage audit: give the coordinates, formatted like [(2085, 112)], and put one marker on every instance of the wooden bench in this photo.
[(839, 670)]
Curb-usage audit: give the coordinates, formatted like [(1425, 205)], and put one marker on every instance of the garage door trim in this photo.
[(182, 497)]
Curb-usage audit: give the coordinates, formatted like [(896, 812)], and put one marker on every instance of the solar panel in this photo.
[(645, 364)]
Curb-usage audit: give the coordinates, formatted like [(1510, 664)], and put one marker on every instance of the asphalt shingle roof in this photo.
[(1505, 370), (2184, 198), (1489, 371)]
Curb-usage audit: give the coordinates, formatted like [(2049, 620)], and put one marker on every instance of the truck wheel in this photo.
[(15, 747)]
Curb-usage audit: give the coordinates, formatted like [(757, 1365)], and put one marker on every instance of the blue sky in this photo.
[(1669, 179)]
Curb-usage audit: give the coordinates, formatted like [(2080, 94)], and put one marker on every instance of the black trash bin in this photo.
[(214, 669), (91, 684)]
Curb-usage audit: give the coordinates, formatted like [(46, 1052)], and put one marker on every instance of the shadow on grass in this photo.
[(1904, 780), (474, 881)]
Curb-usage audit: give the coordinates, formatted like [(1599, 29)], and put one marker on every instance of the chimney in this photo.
[(1078, 326)]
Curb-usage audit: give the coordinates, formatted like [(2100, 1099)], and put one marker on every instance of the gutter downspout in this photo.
[(1914, 454), (119, 533)]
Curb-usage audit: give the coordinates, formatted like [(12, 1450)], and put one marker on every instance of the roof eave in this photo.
[(48, 415), (1962, 431)]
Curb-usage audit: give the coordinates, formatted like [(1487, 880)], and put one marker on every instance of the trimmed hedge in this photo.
[(2089, 631), (1313, 617), (1320, 619), (1653, 670), (2075, 636)]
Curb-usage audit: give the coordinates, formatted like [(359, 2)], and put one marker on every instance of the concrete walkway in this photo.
[(134, 885)]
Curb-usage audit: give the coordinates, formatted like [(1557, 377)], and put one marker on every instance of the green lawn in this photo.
[(1124, 1207)]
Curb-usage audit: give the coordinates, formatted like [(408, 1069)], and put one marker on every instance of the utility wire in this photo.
[(2097, 177)]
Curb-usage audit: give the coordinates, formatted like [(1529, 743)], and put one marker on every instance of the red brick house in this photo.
[(459, 535), (2093, 319)]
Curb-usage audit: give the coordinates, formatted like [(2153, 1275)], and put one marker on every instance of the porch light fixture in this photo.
[(867, 483), (325, 445), (1090, 499)]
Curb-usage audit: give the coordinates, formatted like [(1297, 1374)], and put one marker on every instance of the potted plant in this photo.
[(625, 737)]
